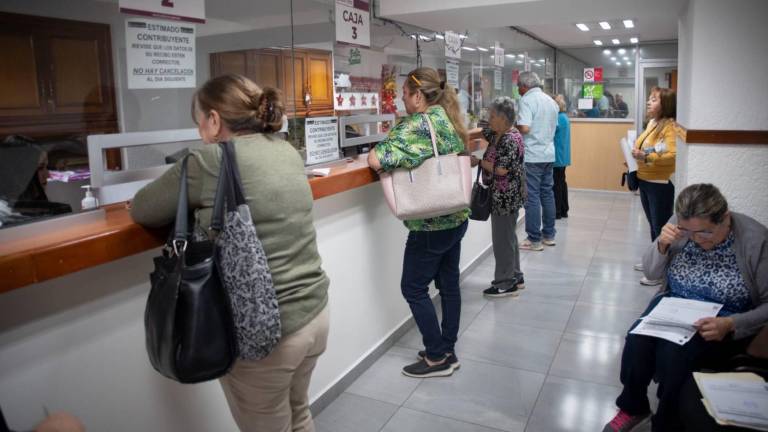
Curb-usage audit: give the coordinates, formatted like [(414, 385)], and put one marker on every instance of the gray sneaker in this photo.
[(531, 246), (452, 359), (650, 282)]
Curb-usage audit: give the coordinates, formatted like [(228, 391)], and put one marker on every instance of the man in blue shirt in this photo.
[(537, 122)]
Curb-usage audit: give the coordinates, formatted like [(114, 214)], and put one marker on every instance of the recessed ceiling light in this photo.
[(468, 48), (629, 63), (633, 40), (628, 24), (582, 27), (482, 49), (607, 52), (605, 25), (509, 55), (542, 60), (618, 64), (615, 41), (521, 55), (625, 58), (598, 42), (532, 61), (622, 51), (439, 36), (613, 58)]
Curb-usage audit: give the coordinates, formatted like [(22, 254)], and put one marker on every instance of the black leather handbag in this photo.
[(190, 335), (630, 178), (482, 198)]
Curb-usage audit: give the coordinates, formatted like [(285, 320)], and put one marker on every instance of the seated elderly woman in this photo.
[(705, 252)]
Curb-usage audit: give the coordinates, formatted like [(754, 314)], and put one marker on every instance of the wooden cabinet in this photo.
[(55, 77), (305, 76)]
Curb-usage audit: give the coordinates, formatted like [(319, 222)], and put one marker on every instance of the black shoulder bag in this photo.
[(190, 334)]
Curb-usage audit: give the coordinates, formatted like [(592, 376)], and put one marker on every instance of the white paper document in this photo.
[(626, 148), (735, 401), (672, 319)]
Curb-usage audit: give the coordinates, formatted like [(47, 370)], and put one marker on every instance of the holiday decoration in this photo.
[(388, 92)]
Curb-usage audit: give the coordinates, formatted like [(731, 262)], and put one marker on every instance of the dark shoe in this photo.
[(452, 359), (496, 292), (624, 422), (520, 282), (422, 369)]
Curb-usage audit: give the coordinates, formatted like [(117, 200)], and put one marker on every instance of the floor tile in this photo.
[(614, 269), (629, 295), (407, 420), (599, 320), (563, 263), (530, 311), (569, 405), (552, 284), (384, 380), (351, 413), (620, 250), (588, 358), (508, 345), (478, 393)]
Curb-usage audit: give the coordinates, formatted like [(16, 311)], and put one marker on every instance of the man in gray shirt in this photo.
[(537, 121)]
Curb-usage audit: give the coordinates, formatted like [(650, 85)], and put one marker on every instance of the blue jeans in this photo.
[(539, 181), (434, 255)]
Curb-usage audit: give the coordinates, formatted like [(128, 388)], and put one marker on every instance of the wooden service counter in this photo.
[(596, 158)]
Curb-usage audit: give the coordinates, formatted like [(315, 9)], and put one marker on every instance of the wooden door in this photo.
[(320, 80), (21, 85), (78, 81), (265, 68), (234, 62), (295, 84)]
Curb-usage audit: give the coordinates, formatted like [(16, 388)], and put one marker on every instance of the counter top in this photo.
[(600, 120)]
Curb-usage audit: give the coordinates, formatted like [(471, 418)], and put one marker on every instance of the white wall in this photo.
[(76, 343), (722, 86)]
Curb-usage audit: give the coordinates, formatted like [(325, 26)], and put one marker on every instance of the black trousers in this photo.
[(561, 192), (658, 203), (645, 358)]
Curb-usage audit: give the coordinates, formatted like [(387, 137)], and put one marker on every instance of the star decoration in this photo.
[(340, 99)]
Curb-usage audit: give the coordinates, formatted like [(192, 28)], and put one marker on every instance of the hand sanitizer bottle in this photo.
[(90, 201)]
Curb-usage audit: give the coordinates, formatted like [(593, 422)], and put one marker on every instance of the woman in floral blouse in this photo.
[(504, 158), (433, 248)]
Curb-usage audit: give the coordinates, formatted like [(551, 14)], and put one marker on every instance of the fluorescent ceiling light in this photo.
[(422, 37), (613, 58), (537, 65), (468, 48), (618, 64), (532, 61), (482, 49), (542, 60), (628, 24), (519, 62), (625, 58), (633, 40), (521, 55), (439, 36), (615, 41), (607, 52), (605, 25), (622, 51), (629, 63), (461, 36), (582, 27), (598, 42), (510, 55), (413, 36)]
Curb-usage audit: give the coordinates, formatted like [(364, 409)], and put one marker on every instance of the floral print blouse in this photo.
[(508, 153), (409, 144)]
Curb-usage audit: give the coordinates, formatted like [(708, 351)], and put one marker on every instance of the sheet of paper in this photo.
[(626, 148), (700, 377), (673, 318), (737, 401)]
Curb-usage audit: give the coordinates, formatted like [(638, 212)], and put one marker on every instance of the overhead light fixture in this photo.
[(605, 25), (582, 27), (542, 60), (615, 41), (519, 62), (633, 40), (468, 48), (537, 64), (625, 58), (482, 49), (607, 52), (413, 36), (439, 36), (521, 55), (622, 51), (424, 38), (510, 55), (618, 63), (461, 36), (532, 61), (629, 63), (628, 24), (598, 42), (613, 58)]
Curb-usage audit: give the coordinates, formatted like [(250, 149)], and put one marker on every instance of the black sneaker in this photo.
[(422, 369), (452, 359), (496, 292), (520, 282)]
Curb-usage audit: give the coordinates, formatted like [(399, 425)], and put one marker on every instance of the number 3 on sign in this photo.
[(354, 32)]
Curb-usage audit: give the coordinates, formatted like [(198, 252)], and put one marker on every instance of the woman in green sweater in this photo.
[(269, 394)]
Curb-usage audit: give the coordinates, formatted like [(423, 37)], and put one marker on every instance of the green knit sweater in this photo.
[(280, 200)]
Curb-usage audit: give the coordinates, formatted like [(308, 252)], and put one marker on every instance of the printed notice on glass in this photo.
[(452, 45), (321, 135), (452, 73), (497, 79), (160, 54)]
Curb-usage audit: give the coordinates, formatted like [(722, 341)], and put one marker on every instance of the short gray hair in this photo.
[(702, 201), (529, 80), (505, 106)]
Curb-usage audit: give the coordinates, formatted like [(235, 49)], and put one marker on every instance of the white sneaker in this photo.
[(531, 246), (549, 242), (639, 267), (650, 282)]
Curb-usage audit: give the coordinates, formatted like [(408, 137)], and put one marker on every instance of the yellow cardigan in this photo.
[(658, 166)]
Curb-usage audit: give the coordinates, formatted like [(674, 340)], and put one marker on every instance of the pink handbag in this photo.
[(441, 185)]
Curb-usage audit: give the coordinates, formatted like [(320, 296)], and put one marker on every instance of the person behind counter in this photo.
[(433, 248), (268, 395), (655, 151)]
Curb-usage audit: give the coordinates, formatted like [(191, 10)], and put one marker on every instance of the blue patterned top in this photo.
[(711, 276)]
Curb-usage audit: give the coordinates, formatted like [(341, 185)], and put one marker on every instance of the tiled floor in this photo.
[(545, 361)]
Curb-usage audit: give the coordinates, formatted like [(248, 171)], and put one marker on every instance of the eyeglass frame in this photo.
[(703, 234)]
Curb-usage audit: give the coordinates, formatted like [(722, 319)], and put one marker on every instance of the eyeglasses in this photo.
[(704, 235)]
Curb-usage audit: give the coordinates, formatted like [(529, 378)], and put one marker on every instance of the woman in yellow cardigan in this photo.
[(655, 151)]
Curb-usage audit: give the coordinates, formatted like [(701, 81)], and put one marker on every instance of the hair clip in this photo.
[(416, 80), (442, 85)]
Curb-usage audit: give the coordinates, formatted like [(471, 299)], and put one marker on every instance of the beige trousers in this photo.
[(270, 395)]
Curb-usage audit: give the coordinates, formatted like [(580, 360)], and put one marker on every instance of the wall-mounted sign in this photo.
[(452, 73), (515, 76), (498, 55), (321, 135), (593, 74), (355, 101), (497, 79), (592, 91), (354, 56), (452, 45), (160, 54), (183, 10), (353, 22)]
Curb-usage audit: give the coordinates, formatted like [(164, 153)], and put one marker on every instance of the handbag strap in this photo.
[(229, 189), (179, 241), (434, 143), (234, 172)]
